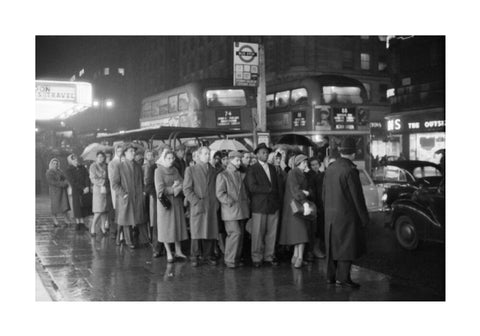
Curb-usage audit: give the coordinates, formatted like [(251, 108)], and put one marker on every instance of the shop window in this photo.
[(299, 96), (365, 61), (282, 98)]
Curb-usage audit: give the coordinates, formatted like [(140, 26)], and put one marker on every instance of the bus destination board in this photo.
[(228, 118), (344, 118)]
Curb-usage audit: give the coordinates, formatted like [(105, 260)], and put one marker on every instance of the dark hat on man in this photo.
[(262, 146), (348, 146), (180, 147), (299, 159), (234, 154)]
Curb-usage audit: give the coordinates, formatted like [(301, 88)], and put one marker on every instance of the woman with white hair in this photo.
[(57, 189), (171, 222)]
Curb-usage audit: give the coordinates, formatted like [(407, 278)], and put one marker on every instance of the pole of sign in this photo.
[(261, 118)]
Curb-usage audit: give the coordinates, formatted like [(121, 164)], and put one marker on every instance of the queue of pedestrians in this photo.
[(239, 207)]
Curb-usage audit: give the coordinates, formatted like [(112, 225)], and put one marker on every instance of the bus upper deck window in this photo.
[(172, 104), (282, 98), (228, 97), (342, 95), (270, 101), (299, 96), (182, 102)]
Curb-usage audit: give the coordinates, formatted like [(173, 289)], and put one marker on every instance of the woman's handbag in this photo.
[(297, 210), (164, 201)]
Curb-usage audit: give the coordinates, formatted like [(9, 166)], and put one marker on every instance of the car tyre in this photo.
[(406, 233)]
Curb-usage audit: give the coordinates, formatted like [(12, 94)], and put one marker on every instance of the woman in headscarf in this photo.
[(57, 189), (171, 222), (77, 176), (294, 228), (102, 201)]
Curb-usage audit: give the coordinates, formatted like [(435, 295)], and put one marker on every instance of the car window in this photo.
[(426, 171), (394, 174)]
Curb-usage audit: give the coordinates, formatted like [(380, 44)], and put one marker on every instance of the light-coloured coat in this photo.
[(199, 190), (128, 180), (101, 201), (232, 195)]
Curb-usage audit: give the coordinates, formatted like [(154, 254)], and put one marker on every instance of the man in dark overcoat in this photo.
[(265, 192), (128, 185), (345, 216), (199, 190)]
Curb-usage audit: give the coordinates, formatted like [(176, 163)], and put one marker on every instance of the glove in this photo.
[(306, 209)]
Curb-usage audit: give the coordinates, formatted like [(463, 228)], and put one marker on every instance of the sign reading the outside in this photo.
[(228, 118), (433, 122), (344, 118), (299, 119), (245, 64)]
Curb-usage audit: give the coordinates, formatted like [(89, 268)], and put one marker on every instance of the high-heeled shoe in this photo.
[(170, 260), (181, 257)]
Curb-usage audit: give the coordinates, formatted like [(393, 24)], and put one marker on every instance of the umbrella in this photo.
[(90, 152), (227, 144), (296, 139), (440, 151)]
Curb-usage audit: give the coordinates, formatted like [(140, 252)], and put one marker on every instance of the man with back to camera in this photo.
[(264, 188), (199, 190), (346, 216)]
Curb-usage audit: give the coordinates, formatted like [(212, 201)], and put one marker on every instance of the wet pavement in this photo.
[(77, 267)]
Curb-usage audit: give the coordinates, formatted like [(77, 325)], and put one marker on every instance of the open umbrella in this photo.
[(228, 145), (296, 139), (90, 152)]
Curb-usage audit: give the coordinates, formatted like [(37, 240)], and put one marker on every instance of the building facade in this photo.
[(415, 127)]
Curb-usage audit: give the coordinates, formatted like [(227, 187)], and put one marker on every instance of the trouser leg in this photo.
[(331, 264), (127, 234), (270, 236), (241, 227), (343, 270), (232, 241), (258, 234), (156, 246), (208, 246), (195, 248)]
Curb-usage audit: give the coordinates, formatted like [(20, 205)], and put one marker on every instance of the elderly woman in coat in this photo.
[(57, 189), (171, 222), (294, 228), (128, 185), (102, 202), (80, 196)]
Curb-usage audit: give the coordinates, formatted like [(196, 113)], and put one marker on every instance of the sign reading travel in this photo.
[(245, 64), (344, 118), (228, 118), (55, 91)]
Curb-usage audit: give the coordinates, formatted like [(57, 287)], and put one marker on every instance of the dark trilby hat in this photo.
[(260, 146), (348, 146)]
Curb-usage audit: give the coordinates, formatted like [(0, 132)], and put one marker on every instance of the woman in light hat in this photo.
[(102, 201), (294, 228)]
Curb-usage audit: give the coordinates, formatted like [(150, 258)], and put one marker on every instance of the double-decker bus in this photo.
[(213, 103), (323, 108)]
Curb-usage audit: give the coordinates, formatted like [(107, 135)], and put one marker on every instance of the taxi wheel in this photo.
[(406, 233)]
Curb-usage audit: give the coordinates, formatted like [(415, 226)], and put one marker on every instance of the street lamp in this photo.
[(101, 105)]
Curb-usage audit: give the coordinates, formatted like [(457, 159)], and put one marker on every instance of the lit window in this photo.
[(96, 103), (299, 96), (109, 103), (365, 61), (80, 74), (121, 71), (106, 71)]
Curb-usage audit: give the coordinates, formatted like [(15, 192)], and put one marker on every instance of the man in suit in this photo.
[(345, 216), (199, 190), (233, 198), (264, 187)]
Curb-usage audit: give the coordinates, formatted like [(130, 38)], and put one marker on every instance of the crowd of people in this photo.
[(257, 207)]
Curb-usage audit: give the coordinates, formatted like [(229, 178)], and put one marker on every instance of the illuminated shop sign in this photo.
[(399, 124)]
